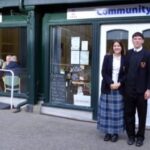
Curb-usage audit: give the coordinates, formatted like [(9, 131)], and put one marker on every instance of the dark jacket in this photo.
[(107, 74), (15, 67), (142, 71)]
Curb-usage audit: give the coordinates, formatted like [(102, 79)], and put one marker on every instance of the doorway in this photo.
[(122, 32)]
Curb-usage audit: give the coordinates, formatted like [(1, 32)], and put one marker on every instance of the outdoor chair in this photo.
[(8, 83)]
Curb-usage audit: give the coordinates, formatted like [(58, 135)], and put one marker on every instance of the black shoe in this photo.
[(107, 137), (131, 140), (16, 110), (139, 142), (114, 138)]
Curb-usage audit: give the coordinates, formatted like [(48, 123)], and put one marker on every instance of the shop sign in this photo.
[(129, 10), (82, 100)]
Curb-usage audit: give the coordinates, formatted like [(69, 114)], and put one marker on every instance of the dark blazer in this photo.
[(107, 74), (143, 71), (15, 67)]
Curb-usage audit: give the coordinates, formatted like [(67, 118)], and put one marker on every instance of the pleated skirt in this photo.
[(111, 113)]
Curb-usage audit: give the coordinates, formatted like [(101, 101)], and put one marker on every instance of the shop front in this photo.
[(61, 48), (74, 43), (16, 54)]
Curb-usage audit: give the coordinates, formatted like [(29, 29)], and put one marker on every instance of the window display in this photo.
[(71, 61)]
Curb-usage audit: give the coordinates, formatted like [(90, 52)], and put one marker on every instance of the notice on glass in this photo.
[(84, 45), (75, 43), (82, 100), (75, 57), (84, 57)]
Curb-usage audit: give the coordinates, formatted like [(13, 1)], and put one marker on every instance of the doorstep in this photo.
[(67, 113)]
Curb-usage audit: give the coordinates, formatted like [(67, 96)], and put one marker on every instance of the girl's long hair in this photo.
[(123, 52)]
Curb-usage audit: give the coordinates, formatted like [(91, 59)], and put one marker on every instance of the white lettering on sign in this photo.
[(112, 11)]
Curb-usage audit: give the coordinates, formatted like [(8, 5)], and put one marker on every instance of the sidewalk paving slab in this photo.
[(33, 131)]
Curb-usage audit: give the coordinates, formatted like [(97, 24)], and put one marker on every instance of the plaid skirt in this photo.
[(111, 113)]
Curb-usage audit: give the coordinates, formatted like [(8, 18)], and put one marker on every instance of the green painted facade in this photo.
[(37, 16)]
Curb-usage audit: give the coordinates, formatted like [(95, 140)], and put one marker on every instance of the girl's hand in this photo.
[(115, 86)]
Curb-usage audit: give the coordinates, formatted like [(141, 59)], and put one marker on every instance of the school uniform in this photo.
[(137, 82), (111, 106)]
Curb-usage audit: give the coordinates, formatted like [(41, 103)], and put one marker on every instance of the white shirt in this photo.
[(116, 68), (138, 49)]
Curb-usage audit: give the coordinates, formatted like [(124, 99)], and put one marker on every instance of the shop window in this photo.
[(70, 65), (13, 45)]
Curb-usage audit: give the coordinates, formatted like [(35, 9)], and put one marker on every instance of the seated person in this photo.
[(1, 74), (1, 62), (8, 59), (13, 65)]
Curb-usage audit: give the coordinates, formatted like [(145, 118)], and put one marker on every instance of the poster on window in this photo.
[(75, 57), (84, 57), (75, 43), (84, 45)]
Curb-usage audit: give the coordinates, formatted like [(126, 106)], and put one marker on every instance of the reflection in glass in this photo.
[(70, 71), (13, 55), (113, 35)]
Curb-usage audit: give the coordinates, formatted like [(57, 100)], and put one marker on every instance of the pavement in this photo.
[(34, 131)]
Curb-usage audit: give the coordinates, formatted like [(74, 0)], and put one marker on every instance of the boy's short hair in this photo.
[(138, 34)]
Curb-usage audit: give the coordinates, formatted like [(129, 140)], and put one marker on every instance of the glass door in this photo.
[(124, 33), (70, 65)]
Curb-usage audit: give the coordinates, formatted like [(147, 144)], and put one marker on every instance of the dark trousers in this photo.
[(135, 102)]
